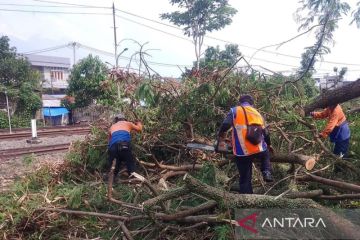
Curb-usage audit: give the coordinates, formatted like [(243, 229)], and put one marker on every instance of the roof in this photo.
[(54, 111), (53, 97), (48, 61), (52, 100)]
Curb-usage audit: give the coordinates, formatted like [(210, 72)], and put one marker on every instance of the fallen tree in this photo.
[(335, 96)]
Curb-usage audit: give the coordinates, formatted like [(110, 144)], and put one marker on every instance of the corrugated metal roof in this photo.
[(48, 61)]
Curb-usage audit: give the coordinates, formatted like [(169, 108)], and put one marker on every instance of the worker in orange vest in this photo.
[(120, 143), (250, 140), (337, 128)]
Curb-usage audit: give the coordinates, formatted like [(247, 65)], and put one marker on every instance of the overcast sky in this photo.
[(258, 23)]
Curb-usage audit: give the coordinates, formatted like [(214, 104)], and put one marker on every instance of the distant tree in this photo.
[(86, 80), (200, 17), (21, 82), (326, 14), (215, 59)]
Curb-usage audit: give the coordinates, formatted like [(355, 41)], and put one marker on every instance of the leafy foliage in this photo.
[(200, 17), (86, 81), (18, 79)]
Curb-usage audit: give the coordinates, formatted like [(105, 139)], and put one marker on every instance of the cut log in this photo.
[(332, 97), (329, 182), (309, 194), (307, 161)]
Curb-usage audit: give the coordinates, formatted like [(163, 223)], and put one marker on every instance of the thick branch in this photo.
[(95, 214), (309, 194), (174, 168), (339, 197), (126, 231), (332, 97), (185, 213), (175, 193), (307, 161), (231, 200), (333, 183)]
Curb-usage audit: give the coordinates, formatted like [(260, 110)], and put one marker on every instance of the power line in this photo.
[(155, 29), (70, 4), (182, 38), (53, 12), (164, 24), (46, 49), (50, 6), (230, 42), (128, 58)]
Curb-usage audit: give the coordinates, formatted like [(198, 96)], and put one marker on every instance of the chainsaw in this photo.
[(223, 146)]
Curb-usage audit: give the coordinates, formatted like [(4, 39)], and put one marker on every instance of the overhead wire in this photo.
[(231, 42), (168, 25), (46, 49), (53, 12), (153, 28), (70, 4), (50, 6)]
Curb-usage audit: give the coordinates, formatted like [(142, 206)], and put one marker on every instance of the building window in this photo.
[(57, 75)]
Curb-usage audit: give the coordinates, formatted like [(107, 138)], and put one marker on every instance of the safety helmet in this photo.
[(247, 98)]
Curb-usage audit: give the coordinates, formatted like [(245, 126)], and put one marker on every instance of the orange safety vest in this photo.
[(241, 146)]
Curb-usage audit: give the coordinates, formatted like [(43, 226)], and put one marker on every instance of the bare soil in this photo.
[(19, 167)]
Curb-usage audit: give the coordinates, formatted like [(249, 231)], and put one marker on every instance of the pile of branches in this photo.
[(181, 193)]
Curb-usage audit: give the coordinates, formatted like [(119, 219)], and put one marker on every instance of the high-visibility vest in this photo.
[(241, 146)]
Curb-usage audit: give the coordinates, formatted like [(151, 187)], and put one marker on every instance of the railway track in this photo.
[(38, 150), (46, 132)]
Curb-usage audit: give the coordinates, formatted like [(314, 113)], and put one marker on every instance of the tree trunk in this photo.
[(332, 97), (230, 200), (307, 161)]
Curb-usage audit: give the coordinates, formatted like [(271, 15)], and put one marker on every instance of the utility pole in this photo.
[(116, 55), (8, 111), (74, 52)]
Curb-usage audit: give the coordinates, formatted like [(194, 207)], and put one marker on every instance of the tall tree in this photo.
[(86, 82), (200, 17), (326, 14), (21, 82)]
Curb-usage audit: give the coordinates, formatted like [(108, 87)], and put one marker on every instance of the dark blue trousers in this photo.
[(121, 155), (342, 147), (244, 165)]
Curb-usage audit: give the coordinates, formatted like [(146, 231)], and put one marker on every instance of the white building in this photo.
[(330, 82), (54, 70)]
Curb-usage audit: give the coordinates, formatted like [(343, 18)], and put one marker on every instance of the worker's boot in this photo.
[(267, 176)]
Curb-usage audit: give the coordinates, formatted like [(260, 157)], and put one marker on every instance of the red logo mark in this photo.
[(252, 217)]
